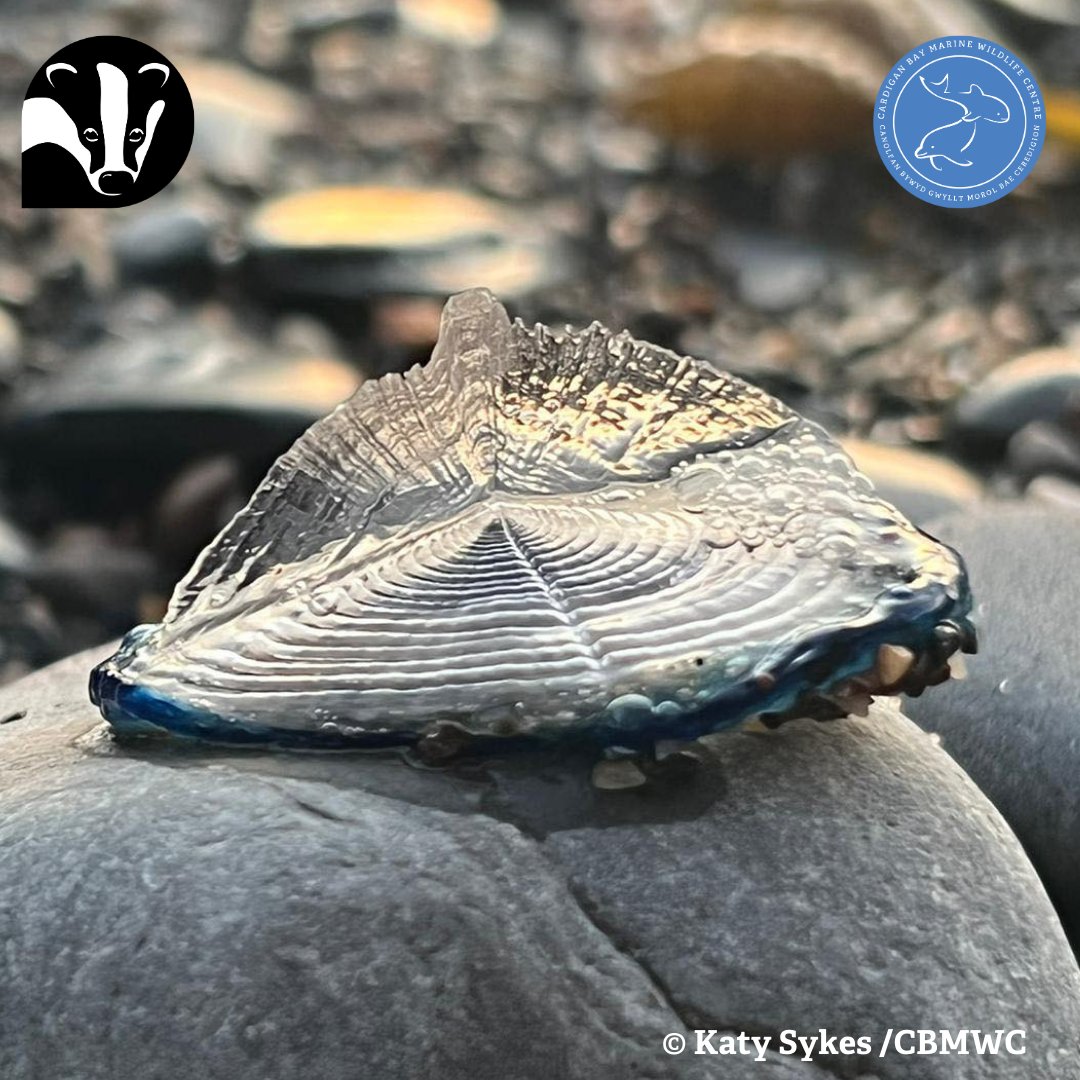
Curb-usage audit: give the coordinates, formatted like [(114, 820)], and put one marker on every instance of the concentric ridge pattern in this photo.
[(539, 535)]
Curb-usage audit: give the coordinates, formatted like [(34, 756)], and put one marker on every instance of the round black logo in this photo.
[(107, 121)]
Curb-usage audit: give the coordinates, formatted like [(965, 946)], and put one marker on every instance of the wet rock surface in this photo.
[(1014, 723), (514, 921)]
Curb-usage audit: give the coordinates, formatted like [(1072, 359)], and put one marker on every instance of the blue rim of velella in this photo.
[(815, 665)]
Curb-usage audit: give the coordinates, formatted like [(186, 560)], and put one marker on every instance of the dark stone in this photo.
[(195, 506), (166, 247), (1038, 386), (173, 911), (1041, 447), (85, 570), (166, 388), (1014, 723)]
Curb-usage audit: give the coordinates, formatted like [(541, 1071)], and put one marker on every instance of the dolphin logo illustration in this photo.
[(984, 106), (956, 128), (950, 141), (974, 101)]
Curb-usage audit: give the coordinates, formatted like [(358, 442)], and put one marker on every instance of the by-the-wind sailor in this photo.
[(544, 536)]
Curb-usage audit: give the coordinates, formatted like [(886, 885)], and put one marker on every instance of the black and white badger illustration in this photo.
[(107, 121)]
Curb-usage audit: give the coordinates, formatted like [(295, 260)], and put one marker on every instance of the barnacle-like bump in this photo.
[(538, 536)]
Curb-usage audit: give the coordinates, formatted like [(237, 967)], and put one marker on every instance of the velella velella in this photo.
[(540, 536)]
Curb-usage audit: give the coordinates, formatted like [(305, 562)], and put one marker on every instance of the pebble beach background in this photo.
[(357, 160), (703, 173)]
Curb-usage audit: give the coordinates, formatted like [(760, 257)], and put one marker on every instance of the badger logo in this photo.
[(107, 121)]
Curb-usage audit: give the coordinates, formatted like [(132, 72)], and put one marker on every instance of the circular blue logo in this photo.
[(959, 121)]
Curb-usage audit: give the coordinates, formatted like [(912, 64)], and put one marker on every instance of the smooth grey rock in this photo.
[(1040, 385), (1042, 448), (1014, 723), (167, 246), (1056, 492), (171, 914), (174, 911)]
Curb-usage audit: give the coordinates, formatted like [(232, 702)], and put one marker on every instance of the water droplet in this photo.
[(720, 537)]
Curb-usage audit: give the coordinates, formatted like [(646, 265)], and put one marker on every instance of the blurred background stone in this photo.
[(1055, 491), (170, 247), (348, 243), (240, 117), (814, 67), (1042, 447), (1037, 386), (924, 486), (700, 172), (111, 424), (194, 507), (87, 575)]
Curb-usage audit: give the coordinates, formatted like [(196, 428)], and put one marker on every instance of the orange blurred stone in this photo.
[(1063, 116), (471, 23), (894, 467), (411, 322), (781, 78), (375, 217), (764, 88), (374, 240), (887, 26)]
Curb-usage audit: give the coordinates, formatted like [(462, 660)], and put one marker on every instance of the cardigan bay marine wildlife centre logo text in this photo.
[(959, 121), (106, 121)]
